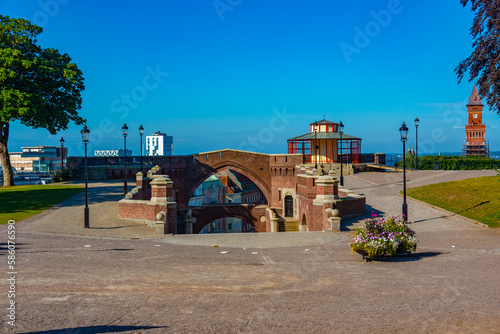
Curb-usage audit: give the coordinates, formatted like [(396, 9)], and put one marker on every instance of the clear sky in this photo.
[(249, 74)]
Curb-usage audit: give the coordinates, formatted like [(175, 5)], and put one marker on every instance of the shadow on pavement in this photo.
[(96, 329), (406, 258), (428, 219), (115, 227), (348, 224), (113, 250), (4, 246), (97, 194)]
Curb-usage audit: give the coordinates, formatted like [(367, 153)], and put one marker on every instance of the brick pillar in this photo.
[(161, 189), (138, 179), (327, 188), (379, 158), (161, 198), (325, 201)]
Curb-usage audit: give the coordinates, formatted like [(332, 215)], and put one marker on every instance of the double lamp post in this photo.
[(85, 139), (403, 131)]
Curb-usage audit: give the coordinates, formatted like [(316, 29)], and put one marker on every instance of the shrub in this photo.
[(61, 175), (451, 162)]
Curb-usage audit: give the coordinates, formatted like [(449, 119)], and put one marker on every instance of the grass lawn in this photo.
[(20, 202), (477, 198)]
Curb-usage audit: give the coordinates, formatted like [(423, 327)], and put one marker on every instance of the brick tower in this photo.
[(475, 130)]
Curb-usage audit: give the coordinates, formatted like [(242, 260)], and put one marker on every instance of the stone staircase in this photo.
[(289, 225), (181, 226)]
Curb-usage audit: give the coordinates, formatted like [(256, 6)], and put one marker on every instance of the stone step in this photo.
[(289, 226)]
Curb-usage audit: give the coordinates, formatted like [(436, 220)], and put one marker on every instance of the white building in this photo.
[(159, 144)]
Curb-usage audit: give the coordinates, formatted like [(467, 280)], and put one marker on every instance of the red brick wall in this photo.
[(137, 210), (353, 206)]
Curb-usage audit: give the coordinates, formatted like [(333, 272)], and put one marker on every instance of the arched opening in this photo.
[(228, 225), (197, 179), (227, 186), (224, 202)]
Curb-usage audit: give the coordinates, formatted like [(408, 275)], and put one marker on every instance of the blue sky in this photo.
[(249, 74)]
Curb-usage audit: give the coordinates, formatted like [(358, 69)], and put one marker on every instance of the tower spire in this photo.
[(475, 99)]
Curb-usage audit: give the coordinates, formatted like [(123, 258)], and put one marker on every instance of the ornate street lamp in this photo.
[(315, 145), (403, 130), (125, 130), (85, 138), (141, 131), (417, 121), (341, 131), (62, 154)]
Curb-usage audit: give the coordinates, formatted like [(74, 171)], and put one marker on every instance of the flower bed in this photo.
[(383, 237)]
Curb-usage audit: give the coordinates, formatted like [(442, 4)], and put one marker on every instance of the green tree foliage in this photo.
[(39, 87), (484, 62)]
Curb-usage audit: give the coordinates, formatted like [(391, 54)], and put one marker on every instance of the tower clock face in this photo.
[(475, 115)]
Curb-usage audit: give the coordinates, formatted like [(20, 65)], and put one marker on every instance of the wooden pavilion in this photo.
[(325, 137)]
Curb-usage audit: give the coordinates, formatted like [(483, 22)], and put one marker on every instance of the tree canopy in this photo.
[(39, 87), (483, 64)]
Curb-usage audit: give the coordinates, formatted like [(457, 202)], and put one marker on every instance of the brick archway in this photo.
[(196, 180), (246, 212), (273, 174)]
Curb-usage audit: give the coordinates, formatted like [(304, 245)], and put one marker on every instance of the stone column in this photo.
[(275, 225), (189, 222), (335, 220), (160, 223)]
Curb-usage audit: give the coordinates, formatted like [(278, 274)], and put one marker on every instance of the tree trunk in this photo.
[(8, 179)]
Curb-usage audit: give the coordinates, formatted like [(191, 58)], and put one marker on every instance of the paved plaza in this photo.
[(118, 276)]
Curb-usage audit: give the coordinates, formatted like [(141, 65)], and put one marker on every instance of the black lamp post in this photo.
[(341, 131), (141, 131), (125, 130), (403, 130), (315, 145), (62, 154), (416, 145), (85, 138)]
